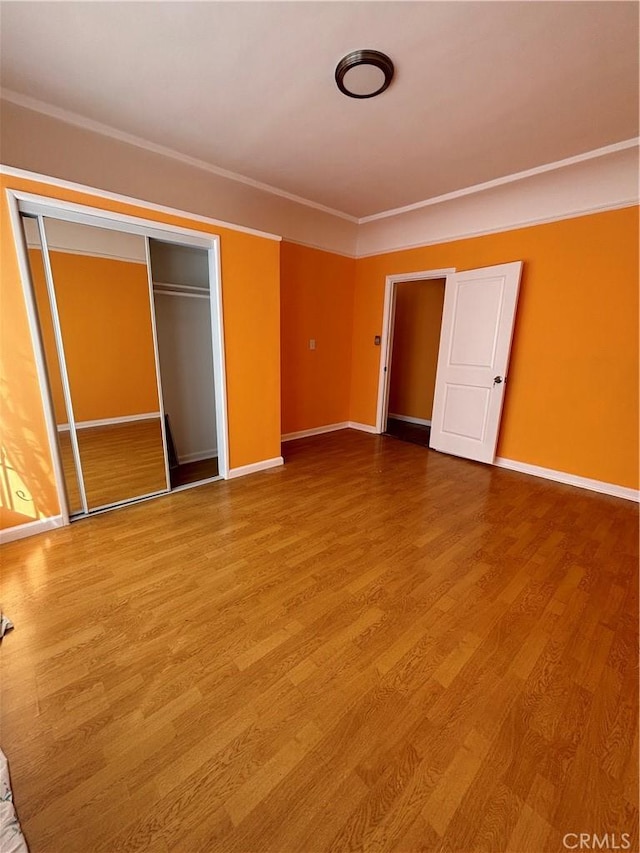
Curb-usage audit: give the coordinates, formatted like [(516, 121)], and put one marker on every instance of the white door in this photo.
[(477, 326)]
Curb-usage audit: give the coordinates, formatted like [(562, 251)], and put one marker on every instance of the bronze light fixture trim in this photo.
[(367, 81)]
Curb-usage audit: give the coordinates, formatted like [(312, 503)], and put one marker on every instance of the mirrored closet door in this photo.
[(96, 300), (55, 369), (130, 365)]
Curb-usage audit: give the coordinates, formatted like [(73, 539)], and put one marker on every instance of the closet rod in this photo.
[(181, 293), (171, 285)]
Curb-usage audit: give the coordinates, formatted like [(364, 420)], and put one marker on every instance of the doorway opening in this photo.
[(477, 321), (412, 322), (415, 338), (181, 302)]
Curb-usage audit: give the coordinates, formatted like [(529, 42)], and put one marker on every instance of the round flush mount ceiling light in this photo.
[(364, 73)]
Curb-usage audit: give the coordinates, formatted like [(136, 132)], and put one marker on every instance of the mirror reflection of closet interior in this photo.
[(126, 330), (181, 295)]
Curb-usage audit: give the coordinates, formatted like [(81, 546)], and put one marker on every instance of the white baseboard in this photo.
[(304, 433), (569, 479), (254, 467), (409, 420), (31, 528), (147, 416), (362, 427), (198, 456)]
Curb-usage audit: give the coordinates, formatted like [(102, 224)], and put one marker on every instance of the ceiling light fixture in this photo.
[(364, 73)]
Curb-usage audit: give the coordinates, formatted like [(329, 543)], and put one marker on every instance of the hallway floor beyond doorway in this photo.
[(415, 433)]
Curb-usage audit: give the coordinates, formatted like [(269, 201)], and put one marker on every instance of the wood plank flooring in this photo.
[(373, 648), (193, 472), (405, 431)]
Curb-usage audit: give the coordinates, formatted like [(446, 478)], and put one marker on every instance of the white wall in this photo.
[(176, 264), (601, 183), (186, 366), (49, 146), (183, 325)]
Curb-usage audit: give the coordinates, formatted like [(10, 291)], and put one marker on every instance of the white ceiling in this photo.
[(482, 89)]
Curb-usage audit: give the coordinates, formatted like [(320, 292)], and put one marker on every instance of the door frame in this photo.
[(24, 202), (386, 339)]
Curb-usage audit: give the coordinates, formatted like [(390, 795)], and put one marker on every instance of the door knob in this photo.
[(497, 380)]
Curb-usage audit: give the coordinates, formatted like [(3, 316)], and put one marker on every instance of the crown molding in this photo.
[(507, 179), (308, 245), (58, 183), (121, 136), (13, 172), (500, 229), (358, 253), (77, 120)]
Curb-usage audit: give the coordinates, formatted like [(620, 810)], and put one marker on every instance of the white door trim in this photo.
[(386, 339), (219, 366), (39, 205), (156, 363)]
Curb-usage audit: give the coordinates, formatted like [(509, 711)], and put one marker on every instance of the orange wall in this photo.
[(316, 303), (251, 308), (22, 427), (571, 403), (414, 358), (105, 318), (251, 299)]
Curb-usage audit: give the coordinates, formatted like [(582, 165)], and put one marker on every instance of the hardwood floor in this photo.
[(193, 472), (405, 431), (375, 647)]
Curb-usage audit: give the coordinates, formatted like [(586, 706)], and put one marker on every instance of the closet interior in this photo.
[(127, 324), (181, 297)]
